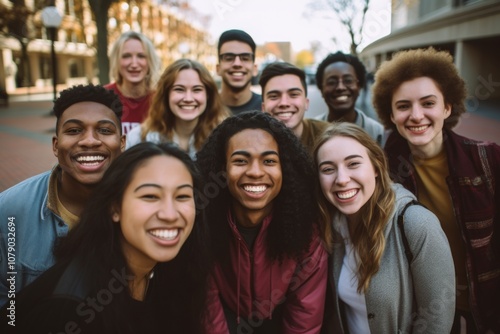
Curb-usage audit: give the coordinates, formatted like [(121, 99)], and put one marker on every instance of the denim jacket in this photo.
[(28, 232), (473, 183)]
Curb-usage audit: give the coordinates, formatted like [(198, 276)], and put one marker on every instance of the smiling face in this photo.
[(419, 111), (188, 96), (340, 88), (133, 64), (88, 139), (157, 212), (346, 174), (253, 174), (236, 75), (285, 99)]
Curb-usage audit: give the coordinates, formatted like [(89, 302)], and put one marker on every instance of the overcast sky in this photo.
[(283, 20)]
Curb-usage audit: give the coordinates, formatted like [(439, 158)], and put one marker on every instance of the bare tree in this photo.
[(351, 13)]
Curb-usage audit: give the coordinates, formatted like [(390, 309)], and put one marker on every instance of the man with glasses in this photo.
[(236, 67), (340, 77)]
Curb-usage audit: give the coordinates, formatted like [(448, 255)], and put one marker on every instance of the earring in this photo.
[(116, 217)]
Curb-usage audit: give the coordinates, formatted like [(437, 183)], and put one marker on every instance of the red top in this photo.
[(134, 110)]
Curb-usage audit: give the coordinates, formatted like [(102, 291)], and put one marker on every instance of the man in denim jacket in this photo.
[(38, 211)]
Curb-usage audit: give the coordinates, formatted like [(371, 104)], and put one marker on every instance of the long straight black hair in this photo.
[(179, 285)]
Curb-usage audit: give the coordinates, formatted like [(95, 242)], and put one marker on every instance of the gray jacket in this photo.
[(401, 298)]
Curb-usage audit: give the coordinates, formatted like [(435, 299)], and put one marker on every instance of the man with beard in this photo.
[(340, 77), (236, 67)]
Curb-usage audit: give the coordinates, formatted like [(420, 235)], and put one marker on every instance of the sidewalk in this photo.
[(26, 130)]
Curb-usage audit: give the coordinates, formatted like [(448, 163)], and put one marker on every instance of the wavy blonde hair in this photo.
[(161, 118), (151, 56), (368, 236)]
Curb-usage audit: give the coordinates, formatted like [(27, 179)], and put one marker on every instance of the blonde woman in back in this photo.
[(185, 108), (135, 68)]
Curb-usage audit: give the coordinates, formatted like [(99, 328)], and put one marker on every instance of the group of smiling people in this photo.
[(246, 231)]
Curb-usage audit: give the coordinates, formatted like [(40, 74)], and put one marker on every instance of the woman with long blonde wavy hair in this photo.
[(185, 109), (134, 71), (384, 278)]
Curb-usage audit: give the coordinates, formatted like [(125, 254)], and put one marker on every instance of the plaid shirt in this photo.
[(474, 173)]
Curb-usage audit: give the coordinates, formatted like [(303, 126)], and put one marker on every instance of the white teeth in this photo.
[(255, 189), (90, 158), (347, 194), (285, 114), (188, 107), (238, 74), (169, 234), (342, 98), (417, 128)]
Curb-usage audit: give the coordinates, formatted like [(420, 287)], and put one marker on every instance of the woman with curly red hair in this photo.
[(420, 95)]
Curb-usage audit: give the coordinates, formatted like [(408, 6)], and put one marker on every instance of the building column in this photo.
[(8, 70)]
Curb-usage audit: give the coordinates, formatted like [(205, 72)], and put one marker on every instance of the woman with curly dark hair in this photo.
[(420, 95), (270, 272)]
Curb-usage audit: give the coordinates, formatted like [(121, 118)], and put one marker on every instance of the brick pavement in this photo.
[(26, 131)]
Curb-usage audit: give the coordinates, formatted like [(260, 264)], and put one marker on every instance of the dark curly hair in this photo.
[(295, 212), (339, 56), (87, 93), (411, 64)]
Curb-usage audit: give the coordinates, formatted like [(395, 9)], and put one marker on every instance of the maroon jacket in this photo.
[(473, 183), (255, 286)]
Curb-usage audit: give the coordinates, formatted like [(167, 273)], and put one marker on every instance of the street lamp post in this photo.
[(52, 20)]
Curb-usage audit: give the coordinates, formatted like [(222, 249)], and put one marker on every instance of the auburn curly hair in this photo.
[(295, 213), (411, 64)]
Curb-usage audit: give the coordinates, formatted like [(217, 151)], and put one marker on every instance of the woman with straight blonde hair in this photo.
[(185, 108), (391, 266), (135, 68)]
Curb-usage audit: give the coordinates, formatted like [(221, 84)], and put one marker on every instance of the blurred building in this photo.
[(175, 31), (468, 29)]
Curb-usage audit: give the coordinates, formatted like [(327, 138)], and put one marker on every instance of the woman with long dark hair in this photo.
[(136, 262)]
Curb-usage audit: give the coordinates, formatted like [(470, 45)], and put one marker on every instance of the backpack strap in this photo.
[(401, 221)]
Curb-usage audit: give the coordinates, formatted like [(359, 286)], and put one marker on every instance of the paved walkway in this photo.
[(26, 130)]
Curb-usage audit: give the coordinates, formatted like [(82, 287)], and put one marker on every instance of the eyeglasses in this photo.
[(231, 57), (347, 81)]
